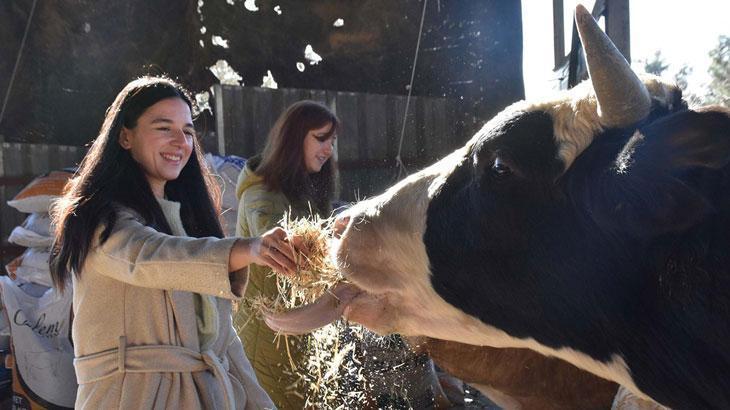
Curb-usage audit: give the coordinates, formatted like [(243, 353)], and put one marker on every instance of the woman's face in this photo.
[(161, 142), (318, 148)]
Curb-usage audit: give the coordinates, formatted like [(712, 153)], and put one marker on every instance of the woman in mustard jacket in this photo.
[(295, 172)]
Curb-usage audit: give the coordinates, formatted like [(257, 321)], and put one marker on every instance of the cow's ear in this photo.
[(666, 177)]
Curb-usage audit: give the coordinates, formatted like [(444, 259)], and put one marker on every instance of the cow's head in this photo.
[(503, 241)]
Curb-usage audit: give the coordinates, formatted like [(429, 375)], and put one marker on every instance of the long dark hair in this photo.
[(282, 163), (109, 177)]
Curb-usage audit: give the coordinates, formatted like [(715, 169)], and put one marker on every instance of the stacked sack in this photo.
[(227, 169), (39, 317)]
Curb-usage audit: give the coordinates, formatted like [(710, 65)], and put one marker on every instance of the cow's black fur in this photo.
[(627, 252)]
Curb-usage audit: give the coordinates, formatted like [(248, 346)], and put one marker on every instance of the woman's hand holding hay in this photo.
[(273, 249), (315, 272)]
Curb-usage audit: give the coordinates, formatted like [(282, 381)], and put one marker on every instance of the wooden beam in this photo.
[(558, 34), (219, 119), (618, 26)]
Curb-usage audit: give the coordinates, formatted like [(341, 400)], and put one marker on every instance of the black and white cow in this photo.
[(594, 227)]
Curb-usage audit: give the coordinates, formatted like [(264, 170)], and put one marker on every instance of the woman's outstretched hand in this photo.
[(272, 249)]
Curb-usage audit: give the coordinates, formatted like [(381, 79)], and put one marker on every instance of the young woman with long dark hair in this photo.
[(138, 236), (294, 173)]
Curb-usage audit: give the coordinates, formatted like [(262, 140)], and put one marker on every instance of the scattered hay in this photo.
[(339, 356), (331, 376)]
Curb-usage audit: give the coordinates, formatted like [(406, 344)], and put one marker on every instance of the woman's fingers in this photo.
[(271, 262), (297, 242), (288, 266), (277, 252)]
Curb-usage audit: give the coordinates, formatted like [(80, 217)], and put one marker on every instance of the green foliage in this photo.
[(680, 77), (656, 66), (719, 88)]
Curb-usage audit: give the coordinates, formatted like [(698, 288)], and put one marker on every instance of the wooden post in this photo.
[(618, 27), (558, 34), (220, 122)]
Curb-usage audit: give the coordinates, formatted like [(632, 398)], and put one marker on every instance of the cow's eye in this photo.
[(500, 168)]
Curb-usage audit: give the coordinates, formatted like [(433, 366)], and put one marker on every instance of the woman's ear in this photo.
[(124, 138)]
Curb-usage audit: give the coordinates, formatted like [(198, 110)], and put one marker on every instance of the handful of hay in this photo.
[(316, 272)]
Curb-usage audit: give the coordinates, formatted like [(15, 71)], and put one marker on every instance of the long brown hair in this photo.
[(282, 162), (109, 177)]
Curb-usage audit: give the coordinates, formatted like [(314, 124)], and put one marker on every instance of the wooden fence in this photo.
[(368, 142), (19, 164), (366, 147)]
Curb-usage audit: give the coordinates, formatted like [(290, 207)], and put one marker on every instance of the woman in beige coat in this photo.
[(137, 234)]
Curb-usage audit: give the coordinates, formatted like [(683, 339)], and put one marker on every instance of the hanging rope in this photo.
[(17, 61), (399, 161)]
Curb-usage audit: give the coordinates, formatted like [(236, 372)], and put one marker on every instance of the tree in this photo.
[(719, 87), (656, 66), (680, 77)]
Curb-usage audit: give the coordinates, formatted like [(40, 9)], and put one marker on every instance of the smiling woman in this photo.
[(153, 279), (161, 142), (295, 174)]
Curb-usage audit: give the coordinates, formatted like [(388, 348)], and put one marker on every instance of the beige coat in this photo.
[(135, 334)]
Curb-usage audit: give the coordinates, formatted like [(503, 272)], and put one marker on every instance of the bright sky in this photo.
[(684, 31)]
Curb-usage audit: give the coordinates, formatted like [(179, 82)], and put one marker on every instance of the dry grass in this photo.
[(331, 376), (316, 272)]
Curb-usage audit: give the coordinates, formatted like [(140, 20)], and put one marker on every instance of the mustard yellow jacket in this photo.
[(258, 211)]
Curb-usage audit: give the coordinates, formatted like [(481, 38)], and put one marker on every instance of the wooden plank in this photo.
[(319, 96), (262, 117), (420, 136), (558, 34), (69, 157), (220, 118), (277, 108), (369, 137), (330, 100), (350, 139), (54, 158), (39, 158), (231, 116), (618, 25), (4, 223), (233, 138), (292, 95), (380, 180), (245, 136), (16, 162), (375, 119), (434, 129), (409, 146)]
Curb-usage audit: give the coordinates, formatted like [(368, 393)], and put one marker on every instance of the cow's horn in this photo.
[(622, 97)]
